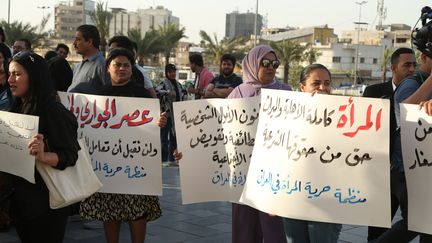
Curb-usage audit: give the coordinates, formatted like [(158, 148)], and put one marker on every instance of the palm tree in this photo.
[(35, 34), (384, 63), (311, 54), (148, 46), (215, 49), (288, 52), (170, 35), (102, 18)]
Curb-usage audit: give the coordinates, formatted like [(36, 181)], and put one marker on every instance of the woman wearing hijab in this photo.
[(249, 224)]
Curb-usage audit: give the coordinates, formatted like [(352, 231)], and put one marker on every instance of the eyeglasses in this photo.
[(266, 63), (23, 55)]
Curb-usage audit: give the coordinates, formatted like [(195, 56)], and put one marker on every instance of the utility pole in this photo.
[(8, 12), (358, 42), (256, 24)]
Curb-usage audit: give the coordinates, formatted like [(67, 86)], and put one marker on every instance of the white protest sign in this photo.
[(321, 158), (123, 141), (16, 132), (416, 138), (216, 137)]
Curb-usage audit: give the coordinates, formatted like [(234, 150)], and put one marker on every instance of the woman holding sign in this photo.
[(249, 224), (111, 208), (55, 144), (315, 78)]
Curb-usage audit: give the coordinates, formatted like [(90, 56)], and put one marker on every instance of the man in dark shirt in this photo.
[(403, 64), (222, 85)]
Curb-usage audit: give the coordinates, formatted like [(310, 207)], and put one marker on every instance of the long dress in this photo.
[(121, 207)]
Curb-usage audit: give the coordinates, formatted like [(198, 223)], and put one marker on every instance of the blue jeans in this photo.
[(302, 231), (168, 141)]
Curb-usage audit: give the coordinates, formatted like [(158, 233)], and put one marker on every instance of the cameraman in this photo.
[(413, 90), (169, 91)]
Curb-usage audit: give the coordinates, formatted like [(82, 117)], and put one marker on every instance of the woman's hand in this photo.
[(427, 106), (162, 120), (177, 155), (37, 147)]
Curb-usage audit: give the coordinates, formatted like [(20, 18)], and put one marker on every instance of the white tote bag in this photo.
[(72, 184)]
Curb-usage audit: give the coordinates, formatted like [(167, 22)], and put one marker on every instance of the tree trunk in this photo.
[(167, 58), (286, 72), (384, 74)]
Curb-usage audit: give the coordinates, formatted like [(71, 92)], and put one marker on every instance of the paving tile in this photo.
[(82, 234), (208, 221), (197, 230), (224, 227), (164, 234)]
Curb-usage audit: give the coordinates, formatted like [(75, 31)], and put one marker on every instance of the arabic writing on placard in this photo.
[(123, 140), (132, 149), (275, 107), (421, 133), (16, 134), (321, 151), (298, 146), (228, 178), (132, 172), (223, 115), (216, 137), (276, 184), (89, 114)]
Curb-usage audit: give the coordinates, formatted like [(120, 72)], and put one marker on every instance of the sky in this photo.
[(209, 15)]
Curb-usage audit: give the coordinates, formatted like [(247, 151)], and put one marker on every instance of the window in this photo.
[(336, 59), (375, 60), (352, 59), (362, 60)]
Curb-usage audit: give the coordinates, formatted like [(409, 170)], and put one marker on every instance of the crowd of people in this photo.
[(29, 85)]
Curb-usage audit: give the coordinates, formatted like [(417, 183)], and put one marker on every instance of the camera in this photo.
[(422, 37)]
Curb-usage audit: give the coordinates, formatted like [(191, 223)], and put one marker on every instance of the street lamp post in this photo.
[(43, 10), (358, 42), (8, 12), (256, 24)]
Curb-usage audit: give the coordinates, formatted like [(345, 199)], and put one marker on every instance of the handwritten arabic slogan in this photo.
[(416, 130), (123, 141), (16, 131), (321, 158), (216, 137)]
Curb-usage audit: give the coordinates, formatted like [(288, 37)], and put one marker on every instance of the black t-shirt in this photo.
[(131, 89), (221, 82)]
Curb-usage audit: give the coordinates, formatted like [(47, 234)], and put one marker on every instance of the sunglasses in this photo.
[(23, 55), (266, 63)]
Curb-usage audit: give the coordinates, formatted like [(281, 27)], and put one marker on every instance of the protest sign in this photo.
[(123, 141), (16, 132), (216, 137), (321, 158), (416, 127)]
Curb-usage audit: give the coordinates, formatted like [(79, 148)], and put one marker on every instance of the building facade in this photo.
[(316, 34), (399, 34), (69, 15), (143, 19), (242, 24)]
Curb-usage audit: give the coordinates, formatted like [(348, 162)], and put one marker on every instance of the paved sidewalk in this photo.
[(194, 223)]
